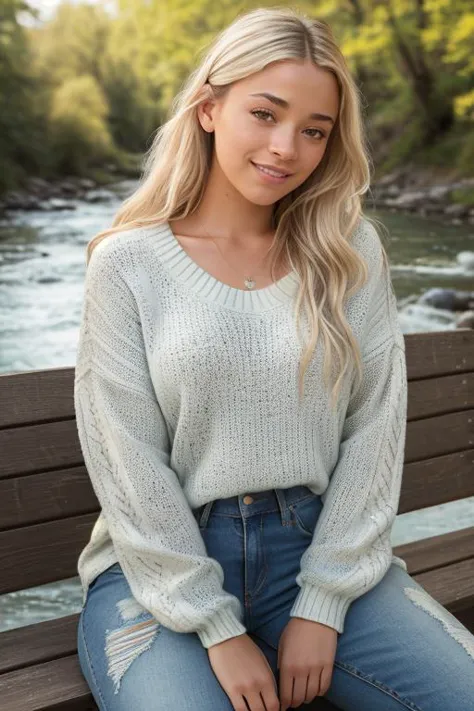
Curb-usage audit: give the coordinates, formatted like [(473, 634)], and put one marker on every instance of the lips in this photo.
[(274, 171)]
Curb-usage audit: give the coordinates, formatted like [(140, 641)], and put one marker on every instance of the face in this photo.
[(291, 133)]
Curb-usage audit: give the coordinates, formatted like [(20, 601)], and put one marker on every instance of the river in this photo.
[(42, 269)]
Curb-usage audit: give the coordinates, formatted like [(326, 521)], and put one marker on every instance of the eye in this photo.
[(263, 112)]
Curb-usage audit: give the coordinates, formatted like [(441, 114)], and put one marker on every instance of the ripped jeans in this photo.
[(400, 649)]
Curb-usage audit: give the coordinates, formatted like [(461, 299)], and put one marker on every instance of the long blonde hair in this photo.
[(313, 223)]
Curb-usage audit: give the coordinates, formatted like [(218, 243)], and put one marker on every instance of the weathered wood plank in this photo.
[(436, 436), (57, 685), (437, 353), (38, 643), (437, 551), (48, 496), (437, 481), (452, 585), (38, 448), (40, 395), (439, 396), (37, 498), (43, 553)]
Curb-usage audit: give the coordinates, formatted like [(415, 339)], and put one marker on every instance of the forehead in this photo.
[(303, 85)]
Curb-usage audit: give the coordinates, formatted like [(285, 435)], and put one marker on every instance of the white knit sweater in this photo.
[(186, 391)]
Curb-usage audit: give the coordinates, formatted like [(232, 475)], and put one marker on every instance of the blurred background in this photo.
[(83, 88)]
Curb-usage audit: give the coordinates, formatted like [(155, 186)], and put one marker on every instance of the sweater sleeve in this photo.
[(125, 445), (351, 547)]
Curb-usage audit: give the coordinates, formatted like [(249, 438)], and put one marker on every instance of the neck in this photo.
[(226, 215)]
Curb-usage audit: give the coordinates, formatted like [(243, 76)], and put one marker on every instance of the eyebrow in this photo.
[(281, 102)]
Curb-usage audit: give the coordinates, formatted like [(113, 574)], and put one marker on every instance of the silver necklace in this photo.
[(248, 280)]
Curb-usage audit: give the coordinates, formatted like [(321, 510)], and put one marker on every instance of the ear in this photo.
[(207, 110)]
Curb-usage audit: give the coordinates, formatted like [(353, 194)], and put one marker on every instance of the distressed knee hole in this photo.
[(451, 624), (125, 644)]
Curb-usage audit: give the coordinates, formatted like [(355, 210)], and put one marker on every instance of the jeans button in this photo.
[(248, 499)]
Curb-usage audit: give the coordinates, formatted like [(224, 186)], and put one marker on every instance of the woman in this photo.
[(248, 480)]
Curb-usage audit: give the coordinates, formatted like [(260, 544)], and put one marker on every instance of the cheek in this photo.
[(312, 158), (235, 143)]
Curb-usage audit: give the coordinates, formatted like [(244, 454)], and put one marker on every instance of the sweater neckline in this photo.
[(209, 288)]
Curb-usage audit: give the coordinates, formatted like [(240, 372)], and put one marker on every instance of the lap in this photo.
[(399, 649), (130, 661)]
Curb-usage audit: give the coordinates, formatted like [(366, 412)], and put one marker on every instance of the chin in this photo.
[(263, 197), (264, 202)]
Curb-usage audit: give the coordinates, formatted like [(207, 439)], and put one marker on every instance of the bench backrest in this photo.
[(48, 507)]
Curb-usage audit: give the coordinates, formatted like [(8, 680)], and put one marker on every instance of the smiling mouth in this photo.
[(269, 171)]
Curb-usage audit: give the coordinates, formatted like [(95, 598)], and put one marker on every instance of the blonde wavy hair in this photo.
[(313, 224)]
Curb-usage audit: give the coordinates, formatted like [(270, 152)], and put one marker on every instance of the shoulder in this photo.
[(119, 254), (114, 247)]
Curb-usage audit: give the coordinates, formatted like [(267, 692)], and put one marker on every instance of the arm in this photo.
[(351, 548), (124, 440)]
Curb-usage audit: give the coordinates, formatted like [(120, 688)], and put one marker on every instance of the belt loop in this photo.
[(203, 518), (284, 510)]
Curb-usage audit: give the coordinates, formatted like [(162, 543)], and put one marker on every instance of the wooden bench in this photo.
[(48, 508)]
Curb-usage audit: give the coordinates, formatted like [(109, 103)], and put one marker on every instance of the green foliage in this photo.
[(22, 125), (90, 86), (78, 121)]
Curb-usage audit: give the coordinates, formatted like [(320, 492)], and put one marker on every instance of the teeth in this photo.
[(270, 172)]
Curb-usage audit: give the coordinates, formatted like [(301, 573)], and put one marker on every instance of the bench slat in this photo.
[(49, 496), (57, 685), (436, 436), (35, 498), (440, 396), (45, 552), (437, 551), (35, 555), (35, 396), (437, 481), (39, 448), (38, 643), (438, 353), (452, 585), (41, 395)]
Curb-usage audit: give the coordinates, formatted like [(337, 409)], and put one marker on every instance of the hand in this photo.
[(306, 653), (242, 670)]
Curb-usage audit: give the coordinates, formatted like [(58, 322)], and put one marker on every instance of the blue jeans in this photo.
[(400, 649)]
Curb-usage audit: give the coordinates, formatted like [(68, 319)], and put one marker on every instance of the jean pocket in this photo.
[(306, 513)]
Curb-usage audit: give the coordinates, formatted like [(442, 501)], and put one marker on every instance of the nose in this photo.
[(283, 144)]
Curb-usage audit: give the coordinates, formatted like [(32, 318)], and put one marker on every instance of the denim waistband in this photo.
[(254, 503)]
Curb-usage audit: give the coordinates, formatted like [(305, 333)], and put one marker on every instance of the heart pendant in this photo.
[(249, 283)]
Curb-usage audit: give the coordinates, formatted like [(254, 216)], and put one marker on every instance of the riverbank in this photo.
[(64, 193), (405, 190), (420, 191)]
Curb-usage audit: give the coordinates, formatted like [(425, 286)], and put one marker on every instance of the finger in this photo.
[(255, 701), (299, 690), (270, 698), (286, 688), (326, 678), (314, 685)]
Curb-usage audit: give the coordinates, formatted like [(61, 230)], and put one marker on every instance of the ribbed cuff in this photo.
[(318, 605), (400, 562), (223, 625)]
